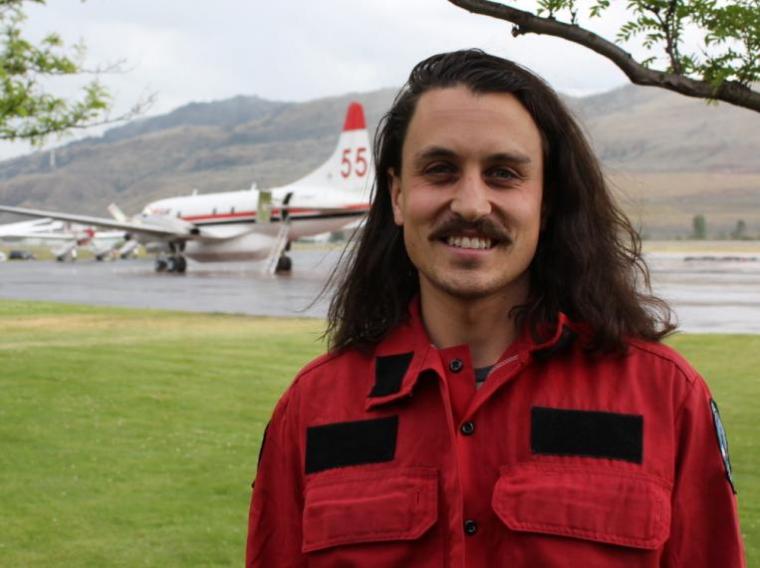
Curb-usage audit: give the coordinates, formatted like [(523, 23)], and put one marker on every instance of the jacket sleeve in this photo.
[(705, 524), (274, 521)]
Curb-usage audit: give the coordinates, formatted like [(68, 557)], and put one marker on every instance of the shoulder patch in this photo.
[(720, 433)]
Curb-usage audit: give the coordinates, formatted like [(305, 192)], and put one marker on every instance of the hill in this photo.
[(672, 157), (668, 156)]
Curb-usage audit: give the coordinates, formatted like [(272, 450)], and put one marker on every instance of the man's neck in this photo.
[(484, 324)]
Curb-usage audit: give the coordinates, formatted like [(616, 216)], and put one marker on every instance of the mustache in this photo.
[(484, 227)]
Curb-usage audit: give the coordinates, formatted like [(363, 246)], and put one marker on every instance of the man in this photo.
[(495, 393)]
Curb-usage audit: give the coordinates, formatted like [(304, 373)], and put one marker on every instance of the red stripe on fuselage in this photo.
[(275, 212)]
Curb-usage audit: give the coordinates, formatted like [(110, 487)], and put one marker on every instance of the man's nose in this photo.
[(471, 198)]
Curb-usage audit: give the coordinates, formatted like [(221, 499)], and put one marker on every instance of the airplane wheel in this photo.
[(171, 264), (284, 264), (181, 264), (60, 258), (161, 265)]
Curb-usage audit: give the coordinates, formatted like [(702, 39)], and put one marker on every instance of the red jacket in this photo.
[(393, 458)]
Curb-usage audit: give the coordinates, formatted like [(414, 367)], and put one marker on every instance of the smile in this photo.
[(469, 242)]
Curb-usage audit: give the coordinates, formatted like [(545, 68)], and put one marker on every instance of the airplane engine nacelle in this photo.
[(65, 251), (127, 249)]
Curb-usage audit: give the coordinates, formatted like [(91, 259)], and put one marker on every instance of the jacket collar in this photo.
[(400, 359), (406, 355)]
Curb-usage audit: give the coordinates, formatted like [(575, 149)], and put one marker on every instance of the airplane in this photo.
[(64, 238), (250, 224)]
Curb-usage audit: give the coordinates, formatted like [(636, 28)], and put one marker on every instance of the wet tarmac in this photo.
[(709, 294), (712, 293)]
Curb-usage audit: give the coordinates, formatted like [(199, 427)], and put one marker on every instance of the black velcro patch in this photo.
[(556, 431), (350, 443), (389, 372)]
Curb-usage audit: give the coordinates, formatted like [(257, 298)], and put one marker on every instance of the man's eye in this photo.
[(439, 169), (502, 174)]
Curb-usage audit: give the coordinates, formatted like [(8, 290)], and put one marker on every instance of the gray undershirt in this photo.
[(481, 374)]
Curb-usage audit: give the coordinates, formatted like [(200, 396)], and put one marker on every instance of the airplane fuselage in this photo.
[(234, 215)]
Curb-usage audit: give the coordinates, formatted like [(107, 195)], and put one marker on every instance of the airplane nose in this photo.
[(471, 199)]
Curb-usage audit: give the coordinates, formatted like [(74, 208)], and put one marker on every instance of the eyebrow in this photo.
[(433, 152)]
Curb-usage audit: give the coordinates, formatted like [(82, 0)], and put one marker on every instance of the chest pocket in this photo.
[(348, 510), (597, 505)]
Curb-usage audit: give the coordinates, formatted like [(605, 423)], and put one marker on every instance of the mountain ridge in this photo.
[(654, 146)]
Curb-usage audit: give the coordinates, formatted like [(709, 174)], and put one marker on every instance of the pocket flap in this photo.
[(613, 507), (369, 506)]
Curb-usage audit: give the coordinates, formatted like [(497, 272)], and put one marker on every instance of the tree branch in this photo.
[(36, 133), (671, 40), (731, 92), (673, 29)]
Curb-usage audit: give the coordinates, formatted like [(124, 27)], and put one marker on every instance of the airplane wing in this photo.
[(43, 236), (160, 228), (22, 228), (169, 228)]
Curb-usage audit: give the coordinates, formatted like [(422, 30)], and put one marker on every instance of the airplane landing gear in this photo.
[(284, 264), (176, 264)]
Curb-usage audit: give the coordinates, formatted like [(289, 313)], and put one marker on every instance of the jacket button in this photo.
[(468, 428), (455, 365), (470, 527)]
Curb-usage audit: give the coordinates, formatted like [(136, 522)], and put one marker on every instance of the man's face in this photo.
[(469, 193)]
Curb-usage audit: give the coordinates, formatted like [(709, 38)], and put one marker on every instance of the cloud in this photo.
[(297, 50)]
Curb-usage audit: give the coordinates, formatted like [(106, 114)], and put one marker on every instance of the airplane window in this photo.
[(232, 209), (213, 211), (179, 214)]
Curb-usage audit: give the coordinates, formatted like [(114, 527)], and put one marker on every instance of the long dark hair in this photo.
[(588, 263)]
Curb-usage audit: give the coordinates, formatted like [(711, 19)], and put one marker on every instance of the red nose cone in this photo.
[(355, 118)]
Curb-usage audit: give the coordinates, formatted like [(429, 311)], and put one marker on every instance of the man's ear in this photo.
[(395, 184)]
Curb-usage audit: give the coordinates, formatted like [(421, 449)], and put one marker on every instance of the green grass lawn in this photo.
[(130, 438)]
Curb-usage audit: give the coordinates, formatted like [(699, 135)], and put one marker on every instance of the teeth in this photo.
[(469, 242)]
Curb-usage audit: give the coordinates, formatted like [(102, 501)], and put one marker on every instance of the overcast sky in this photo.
[(291, 50)]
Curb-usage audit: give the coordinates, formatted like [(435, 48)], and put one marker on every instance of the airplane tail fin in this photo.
[(350, 166)]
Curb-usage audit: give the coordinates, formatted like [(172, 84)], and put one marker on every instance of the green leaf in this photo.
[(27, 110)]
